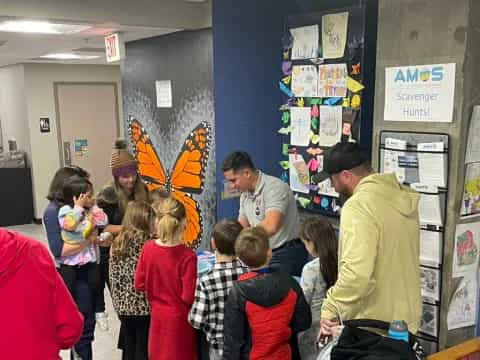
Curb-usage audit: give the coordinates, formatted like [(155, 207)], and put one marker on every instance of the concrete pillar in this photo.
[(414, 32)]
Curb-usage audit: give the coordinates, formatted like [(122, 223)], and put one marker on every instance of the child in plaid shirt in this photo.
[(213, 287)]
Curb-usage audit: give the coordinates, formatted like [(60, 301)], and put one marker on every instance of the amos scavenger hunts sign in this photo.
[(419, 93)]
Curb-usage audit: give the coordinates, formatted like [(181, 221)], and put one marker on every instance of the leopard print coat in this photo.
[(126, 300)]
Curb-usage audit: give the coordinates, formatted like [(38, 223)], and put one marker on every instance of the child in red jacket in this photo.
[(265, 308), (39, 316)]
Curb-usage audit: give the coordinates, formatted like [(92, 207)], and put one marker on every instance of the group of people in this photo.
[(249, 305)]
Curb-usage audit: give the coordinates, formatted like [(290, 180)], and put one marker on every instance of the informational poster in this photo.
[(465, 255), (164, 93), (471, 190), (420, 93), (334, 35), (305, 42), (332, 80), (429, 321), (430, 283), (305, 81), (81, 147), (393, 150), (462, 309)]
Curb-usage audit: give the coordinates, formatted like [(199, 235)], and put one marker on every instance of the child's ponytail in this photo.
[(170, 218)]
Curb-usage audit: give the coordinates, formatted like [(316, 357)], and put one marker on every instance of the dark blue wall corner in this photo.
[(247, 65)]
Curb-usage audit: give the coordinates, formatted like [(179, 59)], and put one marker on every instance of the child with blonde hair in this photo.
[(167, 273), (130, 305)]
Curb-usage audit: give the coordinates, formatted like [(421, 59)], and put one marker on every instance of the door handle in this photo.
[(67, 155)]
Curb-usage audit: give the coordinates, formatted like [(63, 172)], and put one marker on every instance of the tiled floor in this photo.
[(105, 345)]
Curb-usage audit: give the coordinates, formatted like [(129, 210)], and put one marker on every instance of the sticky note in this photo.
[(353, 85)]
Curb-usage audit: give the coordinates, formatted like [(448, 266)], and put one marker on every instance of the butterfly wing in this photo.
[(149, 165), (188, 173), (194, 226)]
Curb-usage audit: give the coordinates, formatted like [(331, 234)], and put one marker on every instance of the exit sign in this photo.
[(113, 48)]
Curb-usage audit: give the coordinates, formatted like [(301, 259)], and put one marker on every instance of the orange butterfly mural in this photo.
[(187, 176)]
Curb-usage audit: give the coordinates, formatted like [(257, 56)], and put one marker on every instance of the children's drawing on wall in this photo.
[(325, 187), (305, 42), (463, 306), (465, 257), (334, 35), (299, 174), (332, 80), (471, 192), (305, 81), (330, 128)]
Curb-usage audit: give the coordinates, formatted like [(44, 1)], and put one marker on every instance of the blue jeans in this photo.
[(83, 298), (290, 257)]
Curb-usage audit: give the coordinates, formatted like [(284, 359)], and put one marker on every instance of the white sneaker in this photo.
[(102, 321), (75, 355)]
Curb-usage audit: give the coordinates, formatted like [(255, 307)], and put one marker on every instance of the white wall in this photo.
[(39, 88), (13, 108)]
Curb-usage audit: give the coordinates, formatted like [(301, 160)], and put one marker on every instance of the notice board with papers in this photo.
[(420, 160)]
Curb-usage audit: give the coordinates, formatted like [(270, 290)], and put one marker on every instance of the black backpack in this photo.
[(358, 343)]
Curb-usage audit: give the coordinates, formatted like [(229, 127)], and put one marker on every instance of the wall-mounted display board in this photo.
[(327, 87), (420, 160)]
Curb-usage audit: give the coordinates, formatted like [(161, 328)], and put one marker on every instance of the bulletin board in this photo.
[(327, 98), (420, 160)]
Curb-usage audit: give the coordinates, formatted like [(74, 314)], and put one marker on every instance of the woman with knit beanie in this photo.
[(113, 199)]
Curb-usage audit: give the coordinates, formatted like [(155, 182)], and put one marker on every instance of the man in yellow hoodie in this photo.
[(379, 243)]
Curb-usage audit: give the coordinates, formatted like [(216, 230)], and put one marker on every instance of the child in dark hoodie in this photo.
[(265, 308), (37, 310)]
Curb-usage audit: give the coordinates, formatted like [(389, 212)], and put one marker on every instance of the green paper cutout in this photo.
[(285, 130), (315, 101), (284, 164), (304, 202), (285, 149), (314, 123), (286, 117)]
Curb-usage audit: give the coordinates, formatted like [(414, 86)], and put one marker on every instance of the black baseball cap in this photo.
[(341, 156)]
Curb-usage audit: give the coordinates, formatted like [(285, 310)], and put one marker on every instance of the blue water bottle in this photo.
[(398, 330)]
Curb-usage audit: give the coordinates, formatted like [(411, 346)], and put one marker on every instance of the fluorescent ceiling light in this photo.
[(40, 27), (69, 56)]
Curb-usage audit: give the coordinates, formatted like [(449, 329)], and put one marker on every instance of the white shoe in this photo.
[(75, 355), (102, 321)]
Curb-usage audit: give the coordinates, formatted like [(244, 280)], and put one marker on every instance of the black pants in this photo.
[(135, 337), (72, 273), (104, 279)]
